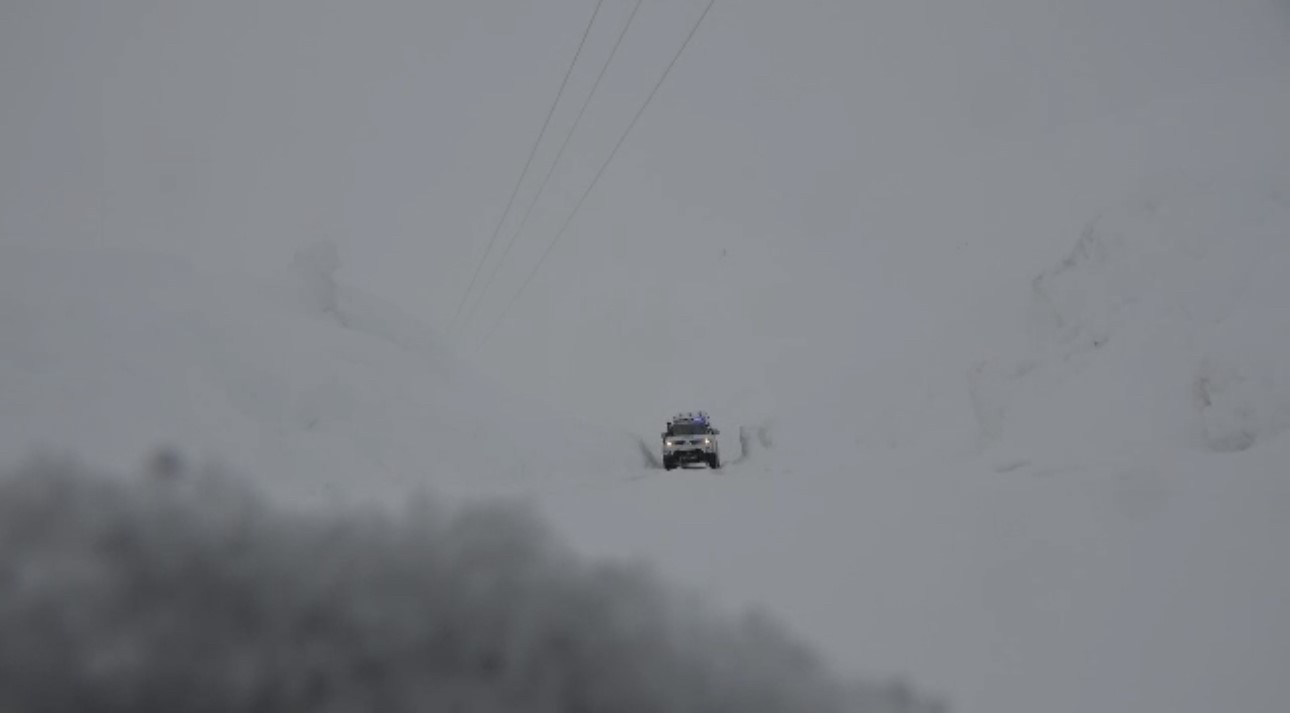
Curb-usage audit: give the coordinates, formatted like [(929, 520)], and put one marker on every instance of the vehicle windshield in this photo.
[(689, 429)]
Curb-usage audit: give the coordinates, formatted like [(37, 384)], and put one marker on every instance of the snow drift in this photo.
[(186, 591)]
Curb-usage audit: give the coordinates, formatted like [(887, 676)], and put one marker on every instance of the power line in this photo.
[(501, 318), (488, 282), (532, 153)]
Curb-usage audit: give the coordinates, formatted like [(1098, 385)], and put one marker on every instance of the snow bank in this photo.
[(189, 592)]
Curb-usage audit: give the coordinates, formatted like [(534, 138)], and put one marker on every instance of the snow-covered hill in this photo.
[(1164, 329), (1071, 503), (110, 354)]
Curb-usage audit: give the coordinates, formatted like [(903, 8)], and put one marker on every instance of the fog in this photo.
[(182, 590)]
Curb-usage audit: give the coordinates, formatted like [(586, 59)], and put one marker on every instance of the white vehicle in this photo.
[(690, 438)]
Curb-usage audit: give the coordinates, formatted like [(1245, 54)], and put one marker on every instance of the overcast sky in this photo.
[(796, 148)]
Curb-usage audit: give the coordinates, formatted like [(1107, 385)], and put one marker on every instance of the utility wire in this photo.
[(525, 170), (488, 282), (501, 318)]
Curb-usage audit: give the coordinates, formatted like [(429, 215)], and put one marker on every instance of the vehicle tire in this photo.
[(668, 463), (714, 461)]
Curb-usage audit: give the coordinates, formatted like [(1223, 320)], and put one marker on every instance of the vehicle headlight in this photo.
[(707, 441)]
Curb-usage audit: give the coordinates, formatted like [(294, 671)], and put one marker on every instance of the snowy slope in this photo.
[(1039, 470), (110, 354), (1085, 516), (1169, 312), (322, 396)]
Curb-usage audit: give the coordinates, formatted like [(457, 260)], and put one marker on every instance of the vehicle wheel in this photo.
[(714, 461), (668, 464)]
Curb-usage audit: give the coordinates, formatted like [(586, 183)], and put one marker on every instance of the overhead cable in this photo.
[(488, 282), (525, 170), (502, 317)]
